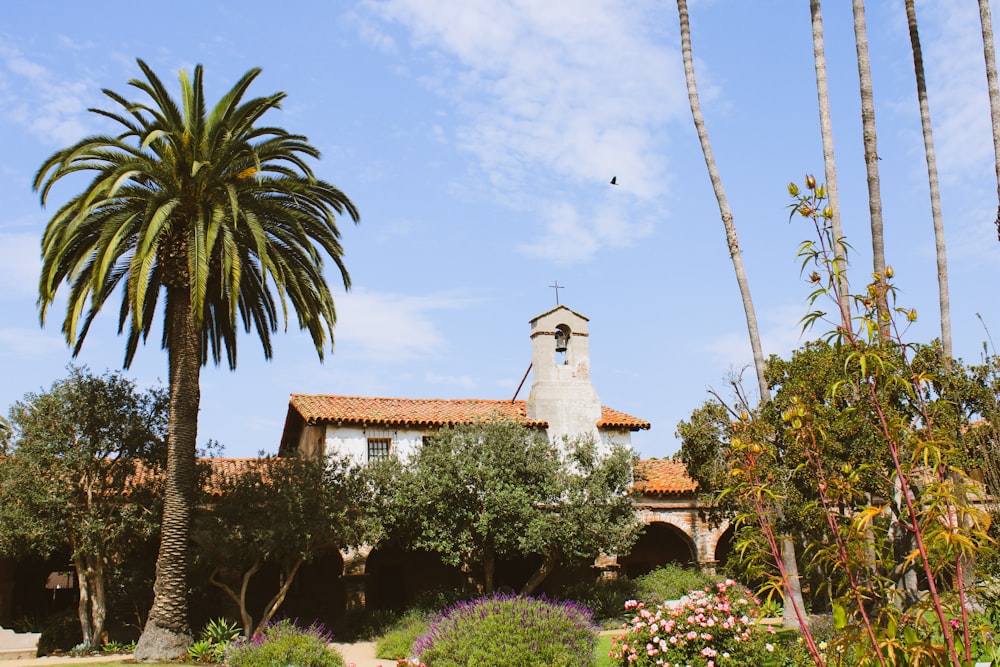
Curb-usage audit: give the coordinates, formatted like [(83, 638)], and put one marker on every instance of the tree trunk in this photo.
[(829, 163), (167, 634), (871, 161), (83, 604), (279, 597), (788, 547), (239, 598), (727, 217), (98, 599), (991, 80), (932, 178), (544, 570)]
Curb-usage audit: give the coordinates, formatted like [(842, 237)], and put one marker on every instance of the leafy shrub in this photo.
[(716, 625), (510, 631), (606, 598), (397, 642), (282, 644), (214, 640), (60, 632), (115, 648), (669, 582), (365, 624)]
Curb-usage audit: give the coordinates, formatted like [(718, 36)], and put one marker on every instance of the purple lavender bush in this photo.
[(510, 631)]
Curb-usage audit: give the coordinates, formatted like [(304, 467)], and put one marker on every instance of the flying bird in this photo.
[(614, 180)]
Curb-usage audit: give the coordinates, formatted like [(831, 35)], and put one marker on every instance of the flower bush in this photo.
[(283, 643), (510, 631), (714, 627)]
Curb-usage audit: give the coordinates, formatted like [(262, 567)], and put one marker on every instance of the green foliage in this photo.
[(397, 642), (863, 451), (213, 641), (283, 644), (605, 598), (365, 624), (670, 582), (284, 511), (498, 489), (59, 632), (510, 632), (716, 625), (118, 648), (76, 451)]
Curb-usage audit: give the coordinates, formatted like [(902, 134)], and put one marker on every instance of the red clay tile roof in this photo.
[(433, 412), (661, 477)]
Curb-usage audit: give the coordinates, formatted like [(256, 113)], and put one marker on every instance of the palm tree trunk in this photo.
[(720, 194), (991, 79), (788, 558), (871, 160), (829, 163), (932, 178), (167, 634)]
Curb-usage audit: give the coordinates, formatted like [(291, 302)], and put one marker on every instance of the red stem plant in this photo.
[(879, 380)]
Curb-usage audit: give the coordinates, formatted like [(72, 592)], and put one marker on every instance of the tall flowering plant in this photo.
[(715, 627)]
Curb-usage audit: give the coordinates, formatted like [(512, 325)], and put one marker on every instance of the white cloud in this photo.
[(570, 236), (952, 44), (19, 257), (464, 381), (392, 327), (45, 104), (31, 343), (780, 333), (568, 92)]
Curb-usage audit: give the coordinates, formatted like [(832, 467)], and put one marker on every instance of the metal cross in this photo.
[(557, 287)]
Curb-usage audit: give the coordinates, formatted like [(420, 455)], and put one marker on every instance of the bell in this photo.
[(560, 342)]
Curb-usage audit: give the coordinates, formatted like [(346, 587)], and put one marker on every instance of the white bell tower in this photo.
[(561, 392)]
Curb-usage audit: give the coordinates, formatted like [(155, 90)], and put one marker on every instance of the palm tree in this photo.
[(788, 558), (991, 80), (932, 177), (829, 163), (871, 158), (732, 239), (215, 214)]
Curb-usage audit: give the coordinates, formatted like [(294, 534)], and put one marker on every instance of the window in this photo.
[(378, 448)]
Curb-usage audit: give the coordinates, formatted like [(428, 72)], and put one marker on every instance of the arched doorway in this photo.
[(724, 547), (660, 543)]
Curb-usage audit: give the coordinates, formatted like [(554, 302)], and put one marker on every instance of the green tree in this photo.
[(80, 469), (497, 489), (282, 511), (215, 213)]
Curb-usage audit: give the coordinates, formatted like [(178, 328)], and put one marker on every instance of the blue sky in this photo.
[(478, 140)]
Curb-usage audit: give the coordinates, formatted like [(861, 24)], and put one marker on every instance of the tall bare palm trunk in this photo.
[(167, 634), (871, 157), (989, 55), (932, 178), (720, 194), (787, 546), (829, 162)]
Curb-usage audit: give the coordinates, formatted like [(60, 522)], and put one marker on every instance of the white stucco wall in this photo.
[(353, 441)]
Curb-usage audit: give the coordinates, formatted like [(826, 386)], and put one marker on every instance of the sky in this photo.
[(478, 140)]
